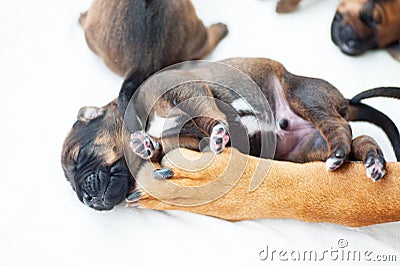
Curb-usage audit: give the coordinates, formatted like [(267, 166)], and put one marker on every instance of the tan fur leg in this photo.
[(289, 190)]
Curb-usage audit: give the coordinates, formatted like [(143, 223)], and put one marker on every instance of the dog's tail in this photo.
[(390, 92), (361, 112)]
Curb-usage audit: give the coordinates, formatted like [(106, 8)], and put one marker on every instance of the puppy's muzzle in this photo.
[(94, 189), (346, 37), (102, 190)]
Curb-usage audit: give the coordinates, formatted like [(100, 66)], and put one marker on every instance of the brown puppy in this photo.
[(311, 116), (151, 34), (360, 25), (304, 192), (92, 155), (140, 37), (93, 160)]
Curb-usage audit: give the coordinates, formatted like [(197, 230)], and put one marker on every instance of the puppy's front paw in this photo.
[(336, 160), (143, 145), (219, 138), (375, 166)]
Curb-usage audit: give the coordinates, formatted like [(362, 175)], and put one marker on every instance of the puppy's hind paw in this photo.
[(375, 166), (336, 160), (219, 138)]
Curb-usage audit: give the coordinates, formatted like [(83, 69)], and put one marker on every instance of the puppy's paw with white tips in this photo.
[(336, 160), (219, 138), (375, 166)]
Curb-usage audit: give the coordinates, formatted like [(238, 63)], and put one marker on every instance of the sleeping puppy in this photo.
[(150, 33), (360, 25), (140, 36), (311, 116), (93, 158)]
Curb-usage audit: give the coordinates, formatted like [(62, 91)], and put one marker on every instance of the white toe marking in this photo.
[(331, 163)]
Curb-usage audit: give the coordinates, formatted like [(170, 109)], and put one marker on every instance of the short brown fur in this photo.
[(153, 34), (297, 191)]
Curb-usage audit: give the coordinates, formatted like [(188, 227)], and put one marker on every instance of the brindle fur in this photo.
[(150, 33), (314, 100)]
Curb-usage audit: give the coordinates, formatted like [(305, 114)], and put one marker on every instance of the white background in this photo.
[(48, 73)]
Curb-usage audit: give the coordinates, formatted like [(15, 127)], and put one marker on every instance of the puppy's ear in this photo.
[(88, 113), (132, 81)]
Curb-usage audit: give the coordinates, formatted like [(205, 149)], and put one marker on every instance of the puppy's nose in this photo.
[(87, 199), (338, 16), (347, 34)]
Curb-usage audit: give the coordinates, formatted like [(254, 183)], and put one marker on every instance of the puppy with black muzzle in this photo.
[(92, 157), (311, 117), (361, 25), (149, 34)]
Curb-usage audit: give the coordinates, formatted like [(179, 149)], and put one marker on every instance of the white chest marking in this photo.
[(241, 105), (159, 124), (251, 123)]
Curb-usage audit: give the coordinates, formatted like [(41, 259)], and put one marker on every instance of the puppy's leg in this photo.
[(365, 149), (338, 134), (215, 33), (204, 113), (286, 6), (213, 123)]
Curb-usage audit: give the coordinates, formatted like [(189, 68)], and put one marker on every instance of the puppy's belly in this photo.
[(294, 145)]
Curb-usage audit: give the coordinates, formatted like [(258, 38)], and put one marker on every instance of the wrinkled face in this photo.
[(360, 25), (92, 158)]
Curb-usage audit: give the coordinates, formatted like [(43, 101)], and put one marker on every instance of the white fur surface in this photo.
[(48, 73)]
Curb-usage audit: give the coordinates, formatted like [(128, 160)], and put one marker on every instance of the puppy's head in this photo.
[(360, 25), (92, 158)]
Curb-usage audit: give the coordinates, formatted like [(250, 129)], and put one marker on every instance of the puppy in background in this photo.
[(361, 25), (152, 34)]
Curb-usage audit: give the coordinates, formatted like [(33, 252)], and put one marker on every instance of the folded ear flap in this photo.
[(88, 113), (131, 83)]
